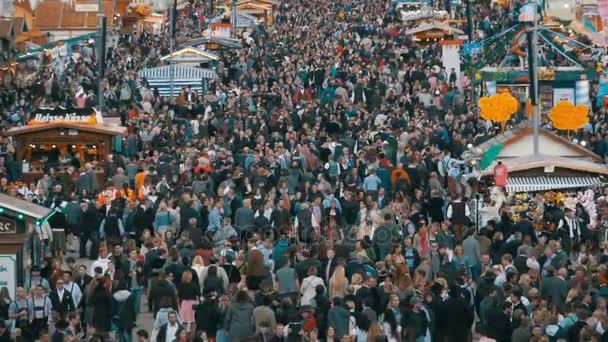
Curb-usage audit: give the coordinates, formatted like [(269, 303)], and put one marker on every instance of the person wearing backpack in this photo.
[(123, 315)]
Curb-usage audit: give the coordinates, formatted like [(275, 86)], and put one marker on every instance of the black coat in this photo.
[(89, 221), (208, 317), (499, 326), (101, 302), (455, 317), (162, 288), (124, 310)]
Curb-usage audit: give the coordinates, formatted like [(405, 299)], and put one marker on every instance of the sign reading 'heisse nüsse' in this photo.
[(45, 118), (50, 115)]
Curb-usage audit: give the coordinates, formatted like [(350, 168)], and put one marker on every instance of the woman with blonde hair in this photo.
[(375, 331), (198, 265), (338, 283)]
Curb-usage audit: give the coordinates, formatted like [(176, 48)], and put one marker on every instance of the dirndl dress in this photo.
[(186, 312)]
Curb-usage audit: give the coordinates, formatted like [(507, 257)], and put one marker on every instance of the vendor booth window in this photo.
[(60, 154)]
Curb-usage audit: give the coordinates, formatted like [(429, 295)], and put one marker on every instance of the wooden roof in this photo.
[(58, 15), (270, 2), (434, 26), (189, 51), (28, 208), (542, 160), (512, 135), (19, 25), (6, 28), (95, 128)]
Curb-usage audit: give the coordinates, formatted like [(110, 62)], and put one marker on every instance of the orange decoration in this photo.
[(498, 107), (567, 116)]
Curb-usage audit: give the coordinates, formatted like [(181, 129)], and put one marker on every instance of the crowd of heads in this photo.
[(316, 190)]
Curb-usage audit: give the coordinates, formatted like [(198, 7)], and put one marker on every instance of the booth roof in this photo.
[(542, 160), (515, 133), (27, 208), (95, 128)]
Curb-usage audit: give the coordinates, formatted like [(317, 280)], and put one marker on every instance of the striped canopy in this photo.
[(525, 184), (183, 76)]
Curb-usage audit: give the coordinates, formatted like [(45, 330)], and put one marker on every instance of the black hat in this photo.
[(98, 270)]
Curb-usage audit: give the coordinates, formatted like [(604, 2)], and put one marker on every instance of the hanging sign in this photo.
[(528, 12), (581, 93), (7, 226), (60, 114)]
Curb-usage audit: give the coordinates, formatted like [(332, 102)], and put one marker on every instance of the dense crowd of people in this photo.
[(315, 192)]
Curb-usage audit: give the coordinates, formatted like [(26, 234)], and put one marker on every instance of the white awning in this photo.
[(525, 184)]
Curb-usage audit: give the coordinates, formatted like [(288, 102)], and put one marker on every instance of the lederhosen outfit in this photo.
[(23, 323), (40, 316)]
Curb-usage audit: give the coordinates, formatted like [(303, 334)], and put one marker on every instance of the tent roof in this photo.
[(192, 50), (542, 160), (28, 208), (433, 26), (180, 72), (516, 133)]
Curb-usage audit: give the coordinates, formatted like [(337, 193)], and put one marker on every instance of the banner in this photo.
[(60, 114), (8, 273), (489, 88), (582, 93), (563, 94)]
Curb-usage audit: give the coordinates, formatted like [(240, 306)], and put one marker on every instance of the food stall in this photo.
[(18, 220), (53, 134)]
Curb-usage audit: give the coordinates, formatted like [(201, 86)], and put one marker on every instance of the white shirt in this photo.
[(308, 289), (171, 332), (60, 294), (75, 291)]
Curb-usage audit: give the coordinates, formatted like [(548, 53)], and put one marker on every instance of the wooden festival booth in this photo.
[(53, 134)]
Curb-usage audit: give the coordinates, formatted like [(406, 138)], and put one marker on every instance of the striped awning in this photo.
[(179, 72), (183, 77), (524, 184)]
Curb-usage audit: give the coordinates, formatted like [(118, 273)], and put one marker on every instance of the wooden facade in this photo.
[(90, 142)]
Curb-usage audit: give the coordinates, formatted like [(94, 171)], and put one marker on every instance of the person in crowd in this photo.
[(326, 184)]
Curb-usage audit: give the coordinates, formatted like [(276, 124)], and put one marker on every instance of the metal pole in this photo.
[(533, 70), (233, 19), (100, 54), (172, 20), (469, 21)]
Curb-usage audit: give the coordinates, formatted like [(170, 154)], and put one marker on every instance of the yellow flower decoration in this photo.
[(567, 116), (498, 107)]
